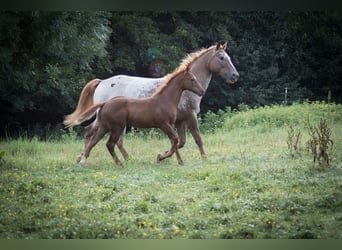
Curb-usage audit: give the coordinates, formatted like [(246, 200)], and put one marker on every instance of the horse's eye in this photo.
[(221, 58)]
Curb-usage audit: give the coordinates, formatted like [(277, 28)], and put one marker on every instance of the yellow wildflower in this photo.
[(176, 229)]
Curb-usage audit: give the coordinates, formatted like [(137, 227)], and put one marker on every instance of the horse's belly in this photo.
[(140, 122)]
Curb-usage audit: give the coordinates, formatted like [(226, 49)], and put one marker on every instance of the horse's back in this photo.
[(124, 85)]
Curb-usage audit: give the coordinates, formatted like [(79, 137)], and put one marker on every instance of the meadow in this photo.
[(251, 185)]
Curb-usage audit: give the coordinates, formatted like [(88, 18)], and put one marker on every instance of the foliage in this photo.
[(140, 38), (2, 157), (249, 187), (212, 121), (47, 57)]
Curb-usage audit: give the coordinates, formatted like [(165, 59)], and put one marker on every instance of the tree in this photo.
[(47, 58), (140, 38), (315, 43)]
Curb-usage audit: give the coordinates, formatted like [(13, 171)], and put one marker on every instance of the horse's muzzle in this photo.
[(234, 77)]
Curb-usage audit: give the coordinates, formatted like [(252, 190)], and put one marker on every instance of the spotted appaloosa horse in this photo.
[(204, 63), (157, 111)]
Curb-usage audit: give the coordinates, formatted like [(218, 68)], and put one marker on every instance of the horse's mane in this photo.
[(188, 60)]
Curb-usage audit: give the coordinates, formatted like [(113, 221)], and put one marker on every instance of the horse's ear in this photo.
[(221, 45)]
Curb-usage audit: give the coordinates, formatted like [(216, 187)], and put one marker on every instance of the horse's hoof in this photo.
[(83, 160), (119, 164), (159, 158)]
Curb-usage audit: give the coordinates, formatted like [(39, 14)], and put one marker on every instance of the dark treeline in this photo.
[(47, 57)]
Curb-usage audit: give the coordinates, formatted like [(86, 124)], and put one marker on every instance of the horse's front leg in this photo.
[(181, 127), (168, 129), (195, 132)]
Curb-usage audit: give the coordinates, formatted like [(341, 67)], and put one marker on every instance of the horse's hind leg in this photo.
[(121, 147), (181, 130), (168, 129), (89, 131), (114, 137), (100, 132)]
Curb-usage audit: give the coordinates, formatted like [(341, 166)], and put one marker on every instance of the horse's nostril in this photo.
[(235, 75)]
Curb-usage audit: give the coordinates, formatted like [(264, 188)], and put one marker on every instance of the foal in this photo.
[(157, 111)]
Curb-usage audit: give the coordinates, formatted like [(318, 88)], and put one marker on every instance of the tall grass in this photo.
[(270, 116), (279, 115)]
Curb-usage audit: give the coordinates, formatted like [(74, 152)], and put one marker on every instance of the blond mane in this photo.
[(188, 60)]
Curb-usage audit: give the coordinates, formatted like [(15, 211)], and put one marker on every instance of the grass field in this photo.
[(250, 185)]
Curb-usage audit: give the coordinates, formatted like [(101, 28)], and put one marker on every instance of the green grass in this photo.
[(249, 186)]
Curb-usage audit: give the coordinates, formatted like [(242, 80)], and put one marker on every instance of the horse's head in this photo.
[(221, 64), (191, 83)]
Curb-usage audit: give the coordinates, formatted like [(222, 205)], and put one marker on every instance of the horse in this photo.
[(157, 111), (204, 63)]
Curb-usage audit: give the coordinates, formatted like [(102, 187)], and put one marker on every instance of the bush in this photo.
[(278, 115), (212, 121)]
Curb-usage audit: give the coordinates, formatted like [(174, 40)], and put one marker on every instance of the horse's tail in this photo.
[(86, 115), (86, 100)]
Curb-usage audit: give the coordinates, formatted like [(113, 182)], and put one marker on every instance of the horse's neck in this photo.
[(172, 92), (201, 70)]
